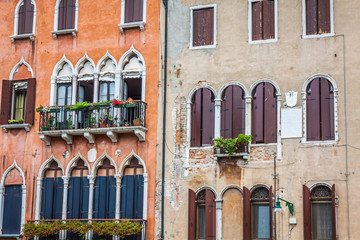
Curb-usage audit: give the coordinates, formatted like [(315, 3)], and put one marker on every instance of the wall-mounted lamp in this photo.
[(288, 204)]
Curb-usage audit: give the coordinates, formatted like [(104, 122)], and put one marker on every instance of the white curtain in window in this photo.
[(321, 221)]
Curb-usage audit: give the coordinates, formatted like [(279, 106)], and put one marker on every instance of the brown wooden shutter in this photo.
[(257, 20), (129, 11), (323, 16), (29, 16), (238, 112), (333, 212), (192, 215), (196, 120), (270, 114), (268, 19), (271, 212), (61, 15), (311, 17), (313, 111), (138, 10), (327, 110), (21, 19), (208, 117), (70, 14), (307, 213), (5, 102), (210, 215), (30, 100), (246, 214), (203, 27), (227, 113), (258, 114)]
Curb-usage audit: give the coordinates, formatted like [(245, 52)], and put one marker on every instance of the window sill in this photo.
[(7, 127), (319, 143), (17, 236), (31, 36), (64, 32), (202, 47), (200, 148), (140, 25), (262, 144), (318, 35), (263, 41)]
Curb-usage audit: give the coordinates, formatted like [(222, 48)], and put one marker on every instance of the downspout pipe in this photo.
[(165, 2)]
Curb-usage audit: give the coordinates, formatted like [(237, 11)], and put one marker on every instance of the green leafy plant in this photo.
[(20, 121), (79, 106), (244, 139), (229, 145)]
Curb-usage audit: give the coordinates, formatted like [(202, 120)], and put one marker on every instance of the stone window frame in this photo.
[(140, 24), (31, 35)]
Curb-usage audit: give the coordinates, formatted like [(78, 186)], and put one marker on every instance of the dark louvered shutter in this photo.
[(30, 100), (327, 110), (323, 16), (129, 6), (333, 212), (313, 110), (256, 20), (133, 10), (268, 19), (61, 15), (238, 112), (208, 117), (196, 120), (307, 213), (246, 214), (227, 113), (132, 191), (78, 200), (70, 14), (58, 198), (270, 114), (210, 215), (12, 210), (139, 196), (21, 19), (138, 10), (5, 102), (84, 198), (192, 216), (29, 16), (271, 212), (258, 114), (47, 198), (311, 17), (203, 27)]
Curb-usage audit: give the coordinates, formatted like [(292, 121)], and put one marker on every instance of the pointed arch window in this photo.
[(133, 14), (107, 68), (25, 16), (66, 14)]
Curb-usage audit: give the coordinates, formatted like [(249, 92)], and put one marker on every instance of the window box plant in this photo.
[(20, 121), (80, 106), (230, 146)]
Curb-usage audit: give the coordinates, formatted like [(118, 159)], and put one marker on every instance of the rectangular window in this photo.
[(203, 26), (133, 11), (66, 13), (321, 221), (262, 20), (201, 222), (318, 16), (260, 221), (19, 104)]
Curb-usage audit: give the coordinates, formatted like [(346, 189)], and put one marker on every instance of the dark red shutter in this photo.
[(70, 14), (138, 10), (323, 16), (30, 100), (5, 102), (327, 110), (21, 19), (307, 213), (311, 17), (29, 16), (129, 11), (203, 27), (192, 216), (256, 20), (268, 19), (238, 112), (258, 114), (271, 212), (208, 117), (227, 113), (270, 114), (61, 15), (333, 213), (246, 214), (313, 110), (210, 215), (196, 120)]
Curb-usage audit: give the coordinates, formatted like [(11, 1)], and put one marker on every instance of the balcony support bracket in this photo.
[(68, 138), (113, 136), (45, 139), (140, 134), (90, 137)]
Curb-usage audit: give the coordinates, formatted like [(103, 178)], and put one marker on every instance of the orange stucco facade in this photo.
[(97, 33)]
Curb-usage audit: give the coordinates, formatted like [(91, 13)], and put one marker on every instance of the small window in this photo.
[(262, 19), (66, 17), (19, 104), (25, 17), (318, 17), (203, 26), (264, 114), (202, 118), (133, 11), (106, 91), (64, 92)]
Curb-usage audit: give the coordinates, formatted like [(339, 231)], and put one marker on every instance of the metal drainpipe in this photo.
[(165, 2)]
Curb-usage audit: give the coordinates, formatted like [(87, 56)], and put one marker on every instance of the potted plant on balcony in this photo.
[(130, 103), (137, 121), (229, 145), (80, 106), (19, 121)]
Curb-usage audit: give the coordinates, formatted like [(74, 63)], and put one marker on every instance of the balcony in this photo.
[(102, 119)]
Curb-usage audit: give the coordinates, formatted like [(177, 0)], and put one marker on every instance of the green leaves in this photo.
[(229, 145)]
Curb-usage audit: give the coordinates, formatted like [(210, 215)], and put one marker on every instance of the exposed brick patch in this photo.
[(263, 153)]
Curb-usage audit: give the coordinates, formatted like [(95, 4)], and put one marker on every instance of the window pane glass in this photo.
[(261, 221), (103, 92), (201, 222), (61, 95), (321, 221), (81, 94), (112, 91), (69, 93), (20, 98)]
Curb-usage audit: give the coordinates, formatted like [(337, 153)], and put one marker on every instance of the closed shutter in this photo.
[(51, 201), (78, 200), (270, 114), (57, 214), (29, 16), (311, 17), (246, 214), (323, 16), (227, 113), (139, 196), (132, 192), (5, 102), (210, 215), (313, 111), (203, 27), (192, 216), (138, 10), (258, 114), (307, 213), (196, 120), (112, 198), (70, 14), (271, 212), (129, 11), (256, 20), (22, 19), (104, 201), (268, 19), (333, 212), (84, 204), (327, 110), (208, 117), (30, 100), (238, 112), (61, 15), (12, 210)]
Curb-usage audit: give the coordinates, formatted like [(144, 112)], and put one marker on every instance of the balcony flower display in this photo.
[(229, 145), (127, 103)]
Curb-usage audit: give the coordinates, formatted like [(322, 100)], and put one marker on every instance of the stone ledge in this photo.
[(140, 24), (26, 126)]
